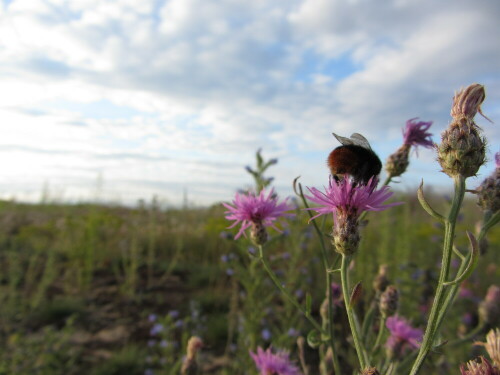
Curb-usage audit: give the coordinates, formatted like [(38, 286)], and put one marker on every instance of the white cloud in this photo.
[(210, 82)]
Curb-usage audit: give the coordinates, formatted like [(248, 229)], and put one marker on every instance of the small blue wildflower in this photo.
[(163, 343), (151, 343), (179, 323), (252, 250), (152, 318), (224, 258), (230, 272), (173, 314), (266, 334), (148, 371), (299, 293), (156, 329), (292, 332), (286, 255)]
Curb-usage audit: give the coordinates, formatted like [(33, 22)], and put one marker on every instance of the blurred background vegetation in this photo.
[(111, 290)]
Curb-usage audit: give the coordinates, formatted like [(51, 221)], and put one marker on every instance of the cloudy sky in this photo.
[(126, 99)]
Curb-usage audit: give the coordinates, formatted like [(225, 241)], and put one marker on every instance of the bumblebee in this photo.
[(354, 158)]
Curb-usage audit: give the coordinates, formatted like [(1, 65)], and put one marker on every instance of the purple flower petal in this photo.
[(249, 208), (415, 133), (276, 364)]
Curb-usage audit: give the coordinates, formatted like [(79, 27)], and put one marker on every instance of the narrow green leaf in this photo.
[(472, 261), (426, 206), (308, 304)]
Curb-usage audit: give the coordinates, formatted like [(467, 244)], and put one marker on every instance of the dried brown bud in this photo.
[(397, 163), (389, 301), (462, 148)]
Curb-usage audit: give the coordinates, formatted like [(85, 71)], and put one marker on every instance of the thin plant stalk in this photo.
[(294, 302), (360, 350), (330, 328), (380, 334), (453, 290), (440, 300)]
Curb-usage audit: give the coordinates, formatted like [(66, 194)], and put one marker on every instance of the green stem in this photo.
[(331, 328), (294, 302), (381, 331), (439, 304), (453, 290), (368, 320), (360, 350)]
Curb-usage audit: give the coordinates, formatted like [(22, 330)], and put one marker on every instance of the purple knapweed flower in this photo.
[(497, 160), (256, 211), (345, 197), (275, 364), (346, 201), (403, 336), (415, 133)]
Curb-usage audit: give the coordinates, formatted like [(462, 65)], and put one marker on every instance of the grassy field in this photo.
[(88, 289)]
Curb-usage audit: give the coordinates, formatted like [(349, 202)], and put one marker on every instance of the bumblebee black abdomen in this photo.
[(356, 161)]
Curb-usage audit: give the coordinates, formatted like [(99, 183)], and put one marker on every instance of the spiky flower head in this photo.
[(346, 201), (489, 190), (389, 301), (492, 346), (479, 368), (462, 148), (258, 212), (489, 308), (414, 134), (270, 363), (403, 336)]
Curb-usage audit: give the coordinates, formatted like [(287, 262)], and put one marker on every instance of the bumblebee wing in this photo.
[(359, 140), (344, 140)]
